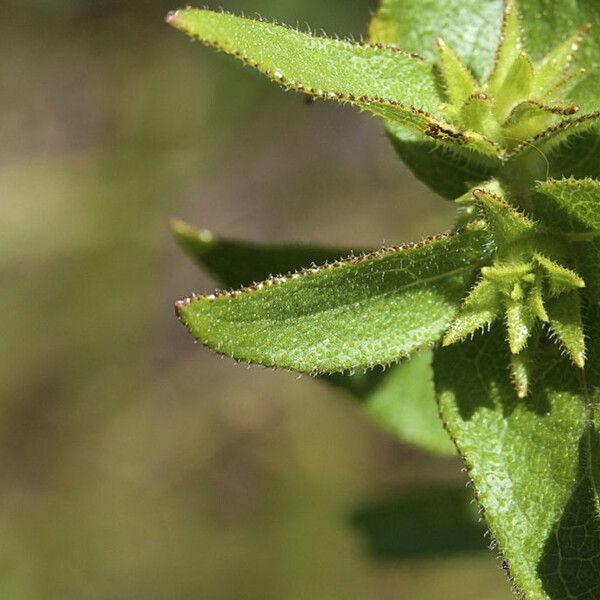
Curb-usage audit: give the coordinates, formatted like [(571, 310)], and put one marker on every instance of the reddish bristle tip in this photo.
[(171, 17)]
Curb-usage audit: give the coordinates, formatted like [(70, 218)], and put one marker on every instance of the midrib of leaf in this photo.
[(341, 306)]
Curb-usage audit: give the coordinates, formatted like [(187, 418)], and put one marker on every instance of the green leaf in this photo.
[(550, 73), (510, 62), (481, 307), (506, 223), (404, 404), (459, 81), (564, 315), (568, 205), (477, 114), (356, 313), (401, 398), (535, 462), (528, 118), (560, 279), (550, 139), (520, 321), (522, 366), (383, 80), (235, 263)]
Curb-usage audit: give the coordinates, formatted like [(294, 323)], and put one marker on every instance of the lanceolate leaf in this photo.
[(458, 80), (535, 462), (400, 398), (235, 263), (360, 312), (508, 53), (569, 205), (381, 79)]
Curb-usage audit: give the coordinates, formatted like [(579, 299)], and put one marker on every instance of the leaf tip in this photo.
[(171, 18), (181, 304), (579, 359)]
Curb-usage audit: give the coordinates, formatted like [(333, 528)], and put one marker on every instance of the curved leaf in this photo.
[(361, 312), (374, 77)]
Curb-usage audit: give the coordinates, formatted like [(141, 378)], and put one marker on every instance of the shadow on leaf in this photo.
[(570, 563), (433, 522)]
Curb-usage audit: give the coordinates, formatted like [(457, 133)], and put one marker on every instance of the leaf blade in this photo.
[(536, 493), (328, 68), (404, 404), (235, 263), (366, 311), (401, 398)]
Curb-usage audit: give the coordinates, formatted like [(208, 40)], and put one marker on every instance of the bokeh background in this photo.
[(133, 463)]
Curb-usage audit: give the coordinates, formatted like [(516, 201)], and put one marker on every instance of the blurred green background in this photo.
[(133, 463)]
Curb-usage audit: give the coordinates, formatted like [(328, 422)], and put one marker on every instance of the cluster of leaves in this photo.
[(504, 121)]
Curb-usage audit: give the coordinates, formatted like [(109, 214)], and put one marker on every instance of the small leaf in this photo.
[(519, 324), (522, 366), (529, 118), (361, 312), (506, 223), (568, 205), (384, 80), (516, 87), (235, 263), (478, 311), (560, 279), (565, 321), (459, 81), (509, 50), (550, 72), (476, 113), (404, 404), (535, 301)]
